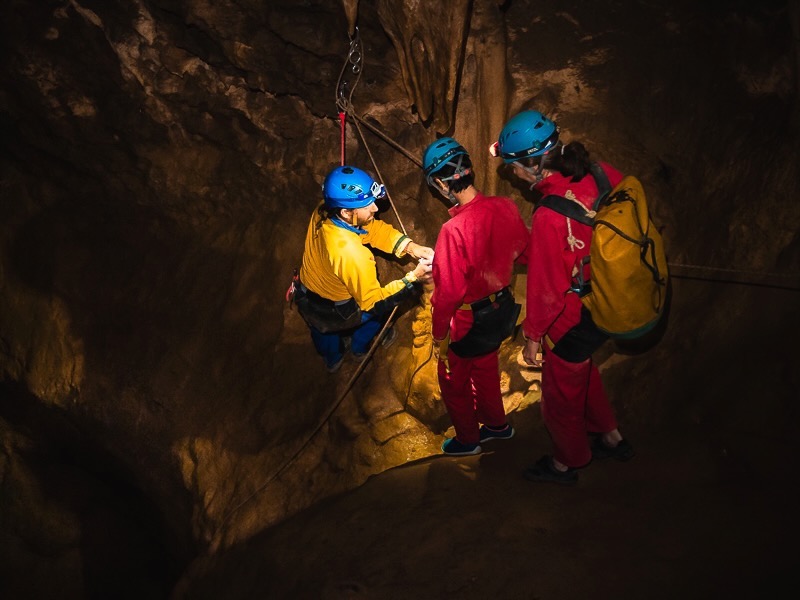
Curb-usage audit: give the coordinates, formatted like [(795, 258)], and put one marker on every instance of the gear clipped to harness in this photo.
[(292, 289)]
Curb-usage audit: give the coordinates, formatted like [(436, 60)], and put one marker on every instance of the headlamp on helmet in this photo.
[(350, 187)]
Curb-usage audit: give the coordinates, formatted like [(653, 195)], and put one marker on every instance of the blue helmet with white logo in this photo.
[(529, 133), (442, 152), (350, 187)]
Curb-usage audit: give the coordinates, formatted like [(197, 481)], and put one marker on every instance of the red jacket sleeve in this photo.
[(450, 271)]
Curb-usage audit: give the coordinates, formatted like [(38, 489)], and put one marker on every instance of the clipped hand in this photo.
[(423, 269), (419, 252)]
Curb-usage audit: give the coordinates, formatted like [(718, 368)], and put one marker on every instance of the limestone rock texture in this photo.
[(165, 421)]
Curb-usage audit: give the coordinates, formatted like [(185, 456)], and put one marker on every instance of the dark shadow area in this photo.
[(683, 519), (124, 545)]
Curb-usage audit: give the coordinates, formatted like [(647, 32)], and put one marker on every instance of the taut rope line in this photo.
[(789, 281), (344, 100)]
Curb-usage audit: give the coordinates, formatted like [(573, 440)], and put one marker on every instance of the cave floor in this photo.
[(693, 518)]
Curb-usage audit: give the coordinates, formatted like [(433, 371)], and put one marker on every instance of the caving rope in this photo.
[(344, 102), (348, 80), (781, 281)]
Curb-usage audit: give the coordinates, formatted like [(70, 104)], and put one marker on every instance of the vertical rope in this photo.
[(380, 177), (344, 101), (342, 117)]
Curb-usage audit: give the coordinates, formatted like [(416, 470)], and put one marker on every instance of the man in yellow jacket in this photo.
[(339, 294)]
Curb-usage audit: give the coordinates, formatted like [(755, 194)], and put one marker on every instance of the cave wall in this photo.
[(160, 160)]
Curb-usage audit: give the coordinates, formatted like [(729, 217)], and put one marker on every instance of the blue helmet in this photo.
[(349, 187), (440, 153), (529, 133)]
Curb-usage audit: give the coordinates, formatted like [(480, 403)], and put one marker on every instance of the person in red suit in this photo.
[(575, 407), (473, 306)]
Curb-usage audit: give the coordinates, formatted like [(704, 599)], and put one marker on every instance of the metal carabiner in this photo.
[(355, 55)]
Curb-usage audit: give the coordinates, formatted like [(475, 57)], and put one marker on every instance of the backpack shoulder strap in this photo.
[(568, 208), (603, 184)]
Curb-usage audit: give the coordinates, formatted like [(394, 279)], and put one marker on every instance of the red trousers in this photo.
[(471, 393), (574, 403)]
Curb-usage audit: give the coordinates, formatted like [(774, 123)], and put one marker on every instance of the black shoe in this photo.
[(623, 451), (506, 433), (545, 471), (389, 337), (335, 366), (453, 447)]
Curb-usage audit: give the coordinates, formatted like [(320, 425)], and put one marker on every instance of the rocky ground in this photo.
[(691, 516)]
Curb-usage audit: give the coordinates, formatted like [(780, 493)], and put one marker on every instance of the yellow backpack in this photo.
[(629, 275)]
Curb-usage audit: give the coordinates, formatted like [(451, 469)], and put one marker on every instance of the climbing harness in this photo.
[(292, 289)]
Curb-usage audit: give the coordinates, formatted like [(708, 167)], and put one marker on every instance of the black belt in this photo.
[(314, 297), (490, 299)]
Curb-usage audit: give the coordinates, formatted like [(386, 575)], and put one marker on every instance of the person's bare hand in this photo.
[(423, 269), (530, 352), (419, 252)]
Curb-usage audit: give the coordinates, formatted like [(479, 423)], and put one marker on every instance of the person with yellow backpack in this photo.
[(574, 402)]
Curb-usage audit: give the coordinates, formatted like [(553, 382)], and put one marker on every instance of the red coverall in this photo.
[(474, 257), (574, 400)]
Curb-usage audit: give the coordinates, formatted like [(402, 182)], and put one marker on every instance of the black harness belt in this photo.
[(488, 301)]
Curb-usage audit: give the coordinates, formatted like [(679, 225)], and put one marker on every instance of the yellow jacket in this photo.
[(337, 265)]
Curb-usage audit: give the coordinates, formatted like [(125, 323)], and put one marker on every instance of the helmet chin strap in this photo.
[(536, 172), (459, 172), (447, 194)]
